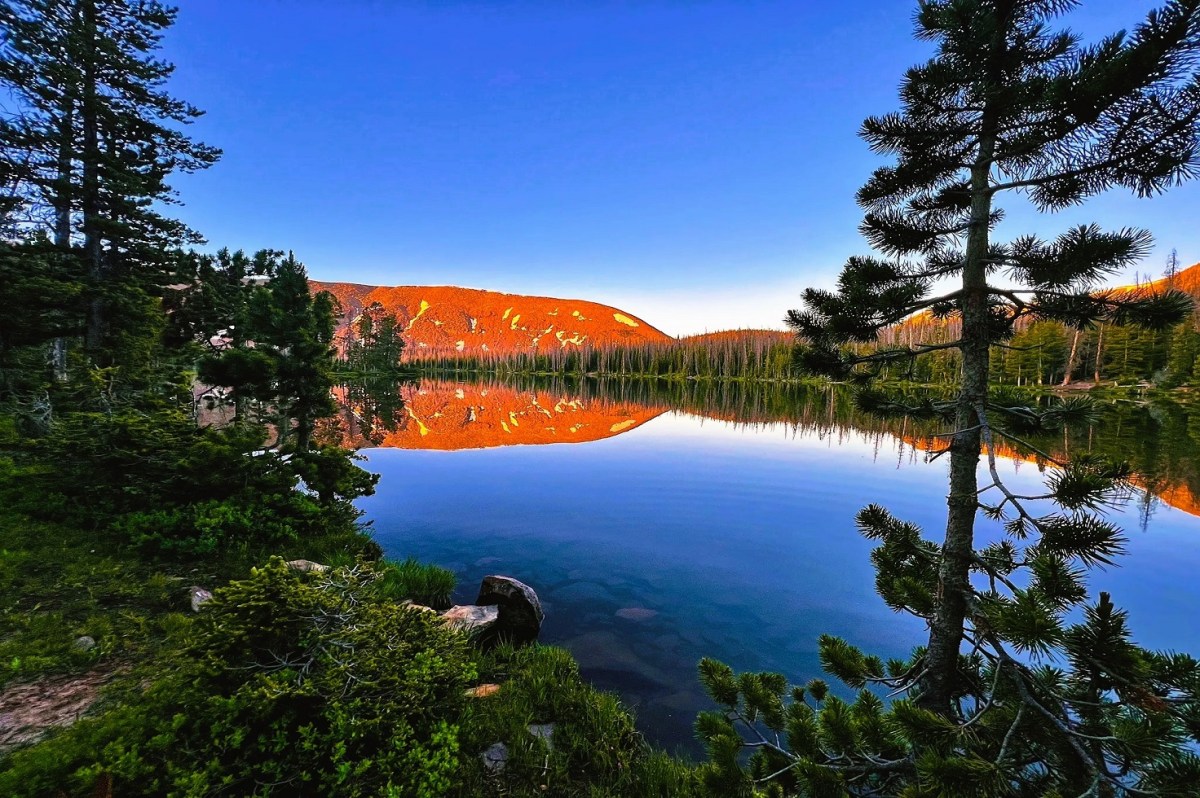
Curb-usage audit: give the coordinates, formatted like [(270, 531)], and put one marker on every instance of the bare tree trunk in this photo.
[(62, 214), (1099, 353), (1071, 359)]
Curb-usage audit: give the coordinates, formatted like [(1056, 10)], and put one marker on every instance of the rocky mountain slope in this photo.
[(445, 320)]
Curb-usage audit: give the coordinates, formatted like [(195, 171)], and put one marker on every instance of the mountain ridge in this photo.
[(452, 321)]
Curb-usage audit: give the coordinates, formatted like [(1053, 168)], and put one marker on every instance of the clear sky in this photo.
[(693, 163)]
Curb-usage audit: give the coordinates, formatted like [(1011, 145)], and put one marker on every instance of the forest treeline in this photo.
[(750, 354), (1047, 352)]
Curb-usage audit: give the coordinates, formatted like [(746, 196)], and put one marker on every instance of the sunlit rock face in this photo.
[(449, 416), (449, 321)]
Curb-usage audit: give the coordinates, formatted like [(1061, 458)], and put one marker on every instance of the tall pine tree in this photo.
[(1006, 105), (90, 140)]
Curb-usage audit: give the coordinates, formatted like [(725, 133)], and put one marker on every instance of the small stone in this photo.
[(482, 691), (472, 619), (419, 607), (307, 566), (199, 596), (543, 731), (495, 758), (85, 643)]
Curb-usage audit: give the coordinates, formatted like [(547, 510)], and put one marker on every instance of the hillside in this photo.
[(445, 320)]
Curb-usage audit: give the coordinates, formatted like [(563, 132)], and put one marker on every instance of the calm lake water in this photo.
[(656, 535)]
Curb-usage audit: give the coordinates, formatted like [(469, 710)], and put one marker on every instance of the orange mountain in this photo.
[(445, 320), (452, 416), (1187, 280)]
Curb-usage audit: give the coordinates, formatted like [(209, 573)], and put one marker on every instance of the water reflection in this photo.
[(1160, 439)]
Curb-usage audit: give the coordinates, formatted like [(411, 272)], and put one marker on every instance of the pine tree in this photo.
[(1005, 105), (90, 141)]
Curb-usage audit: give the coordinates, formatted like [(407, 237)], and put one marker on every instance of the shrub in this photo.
[(288, 684)]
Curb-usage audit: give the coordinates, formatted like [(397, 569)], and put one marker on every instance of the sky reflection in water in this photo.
[(687, 537)]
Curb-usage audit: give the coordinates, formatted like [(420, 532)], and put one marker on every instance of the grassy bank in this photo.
[(262, 692)]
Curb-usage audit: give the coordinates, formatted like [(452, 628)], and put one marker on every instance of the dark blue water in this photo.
[(689, 537)]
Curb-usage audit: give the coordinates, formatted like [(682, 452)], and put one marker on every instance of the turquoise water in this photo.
[(687, 537)]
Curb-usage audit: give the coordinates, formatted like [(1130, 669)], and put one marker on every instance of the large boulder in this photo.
[(521, 613)]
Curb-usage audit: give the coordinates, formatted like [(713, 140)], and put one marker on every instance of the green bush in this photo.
[(288, 684)]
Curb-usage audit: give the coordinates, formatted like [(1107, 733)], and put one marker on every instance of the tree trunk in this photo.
[(90, 206), (938, 687), (1099, 353), (62, 214), (1071, 359)]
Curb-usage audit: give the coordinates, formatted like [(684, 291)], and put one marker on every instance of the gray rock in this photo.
[(199, 596), (495, 758), (521, 612), (472, 619), (543, 731), (85, 643)]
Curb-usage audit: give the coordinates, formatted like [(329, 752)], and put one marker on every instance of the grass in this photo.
[(59, 583), (410, 580), (595, 749)]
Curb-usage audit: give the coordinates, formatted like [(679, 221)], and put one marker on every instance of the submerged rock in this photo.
[(472, 619), (521, 612), (636, 613)]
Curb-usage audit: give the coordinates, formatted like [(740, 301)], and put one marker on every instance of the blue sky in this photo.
[(691, 162)]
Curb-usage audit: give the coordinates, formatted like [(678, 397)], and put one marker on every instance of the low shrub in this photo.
[(287, 684)]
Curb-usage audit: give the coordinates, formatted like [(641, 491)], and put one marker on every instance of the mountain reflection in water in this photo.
[(1161, 440)]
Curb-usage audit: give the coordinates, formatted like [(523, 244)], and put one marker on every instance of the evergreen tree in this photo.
[(90, 142), (1005, 105), (278, 350), (376, 345)]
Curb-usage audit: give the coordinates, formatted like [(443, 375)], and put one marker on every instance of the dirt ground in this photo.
[(29, 709)]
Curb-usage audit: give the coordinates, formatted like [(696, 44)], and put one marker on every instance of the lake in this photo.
[(660, 524)]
